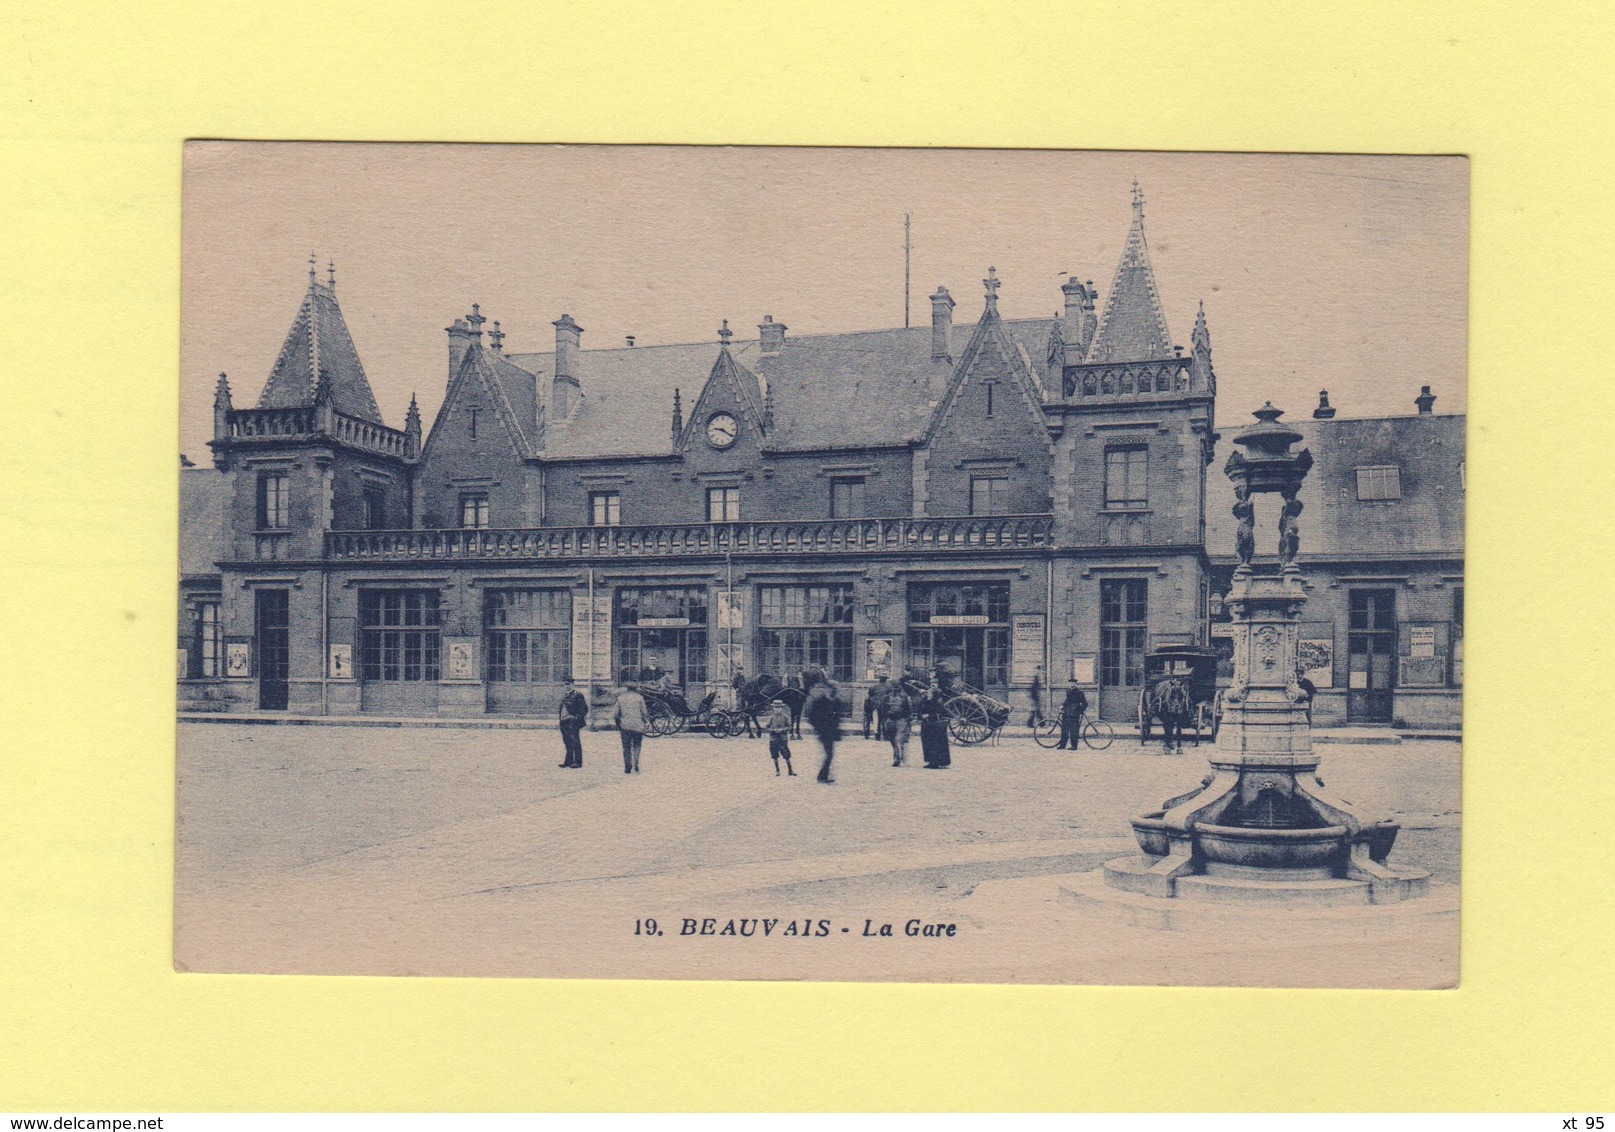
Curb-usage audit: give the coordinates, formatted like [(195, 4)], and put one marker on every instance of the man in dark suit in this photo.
[(574, 714)]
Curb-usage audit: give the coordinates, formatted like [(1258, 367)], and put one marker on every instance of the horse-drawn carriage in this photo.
[(1180, 691), (973, 715), (669, 714)]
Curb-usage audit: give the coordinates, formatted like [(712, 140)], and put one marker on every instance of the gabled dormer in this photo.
[(475, 467), (986, 450), (721, 441)]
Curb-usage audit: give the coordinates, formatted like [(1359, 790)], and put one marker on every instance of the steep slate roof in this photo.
[(319, 342), (867, 389), (1429, 518), (203, 493), (1133, 327)]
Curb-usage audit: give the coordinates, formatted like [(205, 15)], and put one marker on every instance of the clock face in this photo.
[(722, 430)]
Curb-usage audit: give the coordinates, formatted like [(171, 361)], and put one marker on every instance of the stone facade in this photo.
[(990, 495)]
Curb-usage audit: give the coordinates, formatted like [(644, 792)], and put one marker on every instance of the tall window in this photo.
[(1123, 615), (807, 627), (962, 627), (375, 509), (474, 510), (847, 497), (605, 509), (661, 627), (529, 636), (989, 495), (1127, 473), (207, 645), (723, 505), (1379, 483), (273, 510), (399, 635), (989, 387)]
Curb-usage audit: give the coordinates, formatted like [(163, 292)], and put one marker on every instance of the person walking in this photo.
[(574, 714), (1071, 713), (933, 717), (632, 723), (1035, 694), (872, 703), (897, 714), (823, 711), (779, 735)]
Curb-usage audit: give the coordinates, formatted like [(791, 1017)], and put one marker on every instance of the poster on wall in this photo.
[(1315, 658), (462, 659), (1026, 647), (342, 662), (730, 610), (877, 658), (730, 658), (591, 639), (1082, 668), (238, 659)]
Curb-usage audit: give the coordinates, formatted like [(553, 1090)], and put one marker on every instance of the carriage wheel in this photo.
[(1143, 717), (661, 717), (721, 725), (967, 722), (1047, 733)]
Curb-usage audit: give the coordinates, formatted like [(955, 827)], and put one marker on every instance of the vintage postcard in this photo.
[(833, 564)]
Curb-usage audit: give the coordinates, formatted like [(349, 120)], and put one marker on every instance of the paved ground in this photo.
[(434, 851)]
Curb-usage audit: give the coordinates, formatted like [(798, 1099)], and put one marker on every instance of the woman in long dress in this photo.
[(933, 719)]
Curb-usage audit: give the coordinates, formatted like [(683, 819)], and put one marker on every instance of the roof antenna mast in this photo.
[(907, 248)]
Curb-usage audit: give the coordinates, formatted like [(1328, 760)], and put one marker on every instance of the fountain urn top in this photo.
[(1266, 463)]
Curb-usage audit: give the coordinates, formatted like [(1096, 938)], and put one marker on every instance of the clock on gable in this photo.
[(722, 429)]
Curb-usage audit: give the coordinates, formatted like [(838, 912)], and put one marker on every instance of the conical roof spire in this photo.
[(1133, 328), (319, 345)]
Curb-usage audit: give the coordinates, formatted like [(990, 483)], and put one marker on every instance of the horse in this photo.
[(762, 690), (1170, 702)]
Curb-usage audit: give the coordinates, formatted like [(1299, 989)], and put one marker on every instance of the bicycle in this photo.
[(1096, 733)]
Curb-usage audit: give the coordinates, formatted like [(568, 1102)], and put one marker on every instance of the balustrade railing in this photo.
[(306, 423), (832, 536), (1125, 381)]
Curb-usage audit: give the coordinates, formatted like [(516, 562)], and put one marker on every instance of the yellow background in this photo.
[(95, 100)]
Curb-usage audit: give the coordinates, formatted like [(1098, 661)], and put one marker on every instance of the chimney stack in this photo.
[(1325, 410), (771, 335), (1080, 321), (566, 387), (1425, 401), (460, 339), (941, 326)]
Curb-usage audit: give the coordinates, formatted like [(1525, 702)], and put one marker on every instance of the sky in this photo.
[(1344, 273)]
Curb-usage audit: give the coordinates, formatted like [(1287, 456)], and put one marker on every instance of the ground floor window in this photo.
[(399, 635), (962, 627), (807, 627), (529, 636), (661, 629), (1123, 631), (207, 642)]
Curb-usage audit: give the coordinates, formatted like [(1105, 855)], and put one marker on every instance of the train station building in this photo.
[(1006, 497)]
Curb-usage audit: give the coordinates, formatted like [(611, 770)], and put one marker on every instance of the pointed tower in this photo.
[(319, 341), (1133, 328), (318, 454), (678, 418)]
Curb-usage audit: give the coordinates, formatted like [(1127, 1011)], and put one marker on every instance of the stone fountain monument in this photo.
[(1261, 825)]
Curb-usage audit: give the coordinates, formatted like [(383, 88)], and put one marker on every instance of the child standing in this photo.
[(779, 732)]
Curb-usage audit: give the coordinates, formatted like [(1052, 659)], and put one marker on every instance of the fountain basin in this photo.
[(1282, 849)]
